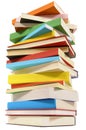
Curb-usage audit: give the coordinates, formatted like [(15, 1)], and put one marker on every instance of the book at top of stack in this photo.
[(40, 60)]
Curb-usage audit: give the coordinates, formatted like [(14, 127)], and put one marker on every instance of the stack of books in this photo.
[(40, 60)]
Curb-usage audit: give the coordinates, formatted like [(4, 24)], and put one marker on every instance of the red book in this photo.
[(48, 53), (58, 41)]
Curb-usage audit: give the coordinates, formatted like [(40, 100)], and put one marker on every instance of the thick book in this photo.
[(50, 8), (45, 93), (22, 88), (45, 54), (39, 77), (44, 121), (60, 41), (23, 52), (57, 112), (42, 104), (57, 24), (56, 66)]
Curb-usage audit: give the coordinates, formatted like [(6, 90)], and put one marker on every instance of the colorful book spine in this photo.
[(35, 104)]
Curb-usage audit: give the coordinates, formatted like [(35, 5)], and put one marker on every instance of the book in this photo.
[(54, 16), (23, 88), (45, 67), (53, 42), (48, 35), (50, 8), (30, 63), (23, 52), (43, 121), (45, 54), (46, 93), (26, 24), (26, 18), (42, 104), (40, 18), (13, 86), (40, 113), (57, 24), (34, 20), (22, 26), (39, 77), (43, 29)]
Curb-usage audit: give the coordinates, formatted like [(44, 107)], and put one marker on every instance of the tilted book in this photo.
[(57, 24), (46, 92), (50, 8)]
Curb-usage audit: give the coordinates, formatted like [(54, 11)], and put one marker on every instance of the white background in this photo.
[(76, 10)]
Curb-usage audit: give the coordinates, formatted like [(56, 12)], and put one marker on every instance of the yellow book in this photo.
[(39, 77), (39, 38)]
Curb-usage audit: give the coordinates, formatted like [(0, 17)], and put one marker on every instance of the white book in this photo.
[(48, 67), (42, 120), (46, 92), (49, 112)]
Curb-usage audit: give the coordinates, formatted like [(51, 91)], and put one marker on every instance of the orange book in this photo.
[(35, 84), (50, 8)]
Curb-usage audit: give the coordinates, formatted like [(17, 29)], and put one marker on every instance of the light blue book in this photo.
[(32, 104), (30, 63), (44, 28)]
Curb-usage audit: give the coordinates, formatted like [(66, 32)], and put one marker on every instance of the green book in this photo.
[(57, 24)]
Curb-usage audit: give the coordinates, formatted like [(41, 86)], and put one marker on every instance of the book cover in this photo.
[(39, 77)]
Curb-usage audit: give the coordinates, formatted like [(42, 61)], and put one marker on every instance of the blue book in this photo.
[(44, 28), (32, 104), (30, 63)]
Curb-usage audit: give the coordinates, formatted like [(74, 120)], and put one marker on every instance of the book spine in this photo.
[(35, 104)]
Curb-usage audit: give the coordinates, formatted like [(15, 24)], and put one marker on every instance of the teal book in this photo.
[(30, 63), (43, 29), (32, 104), (57, 24)]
